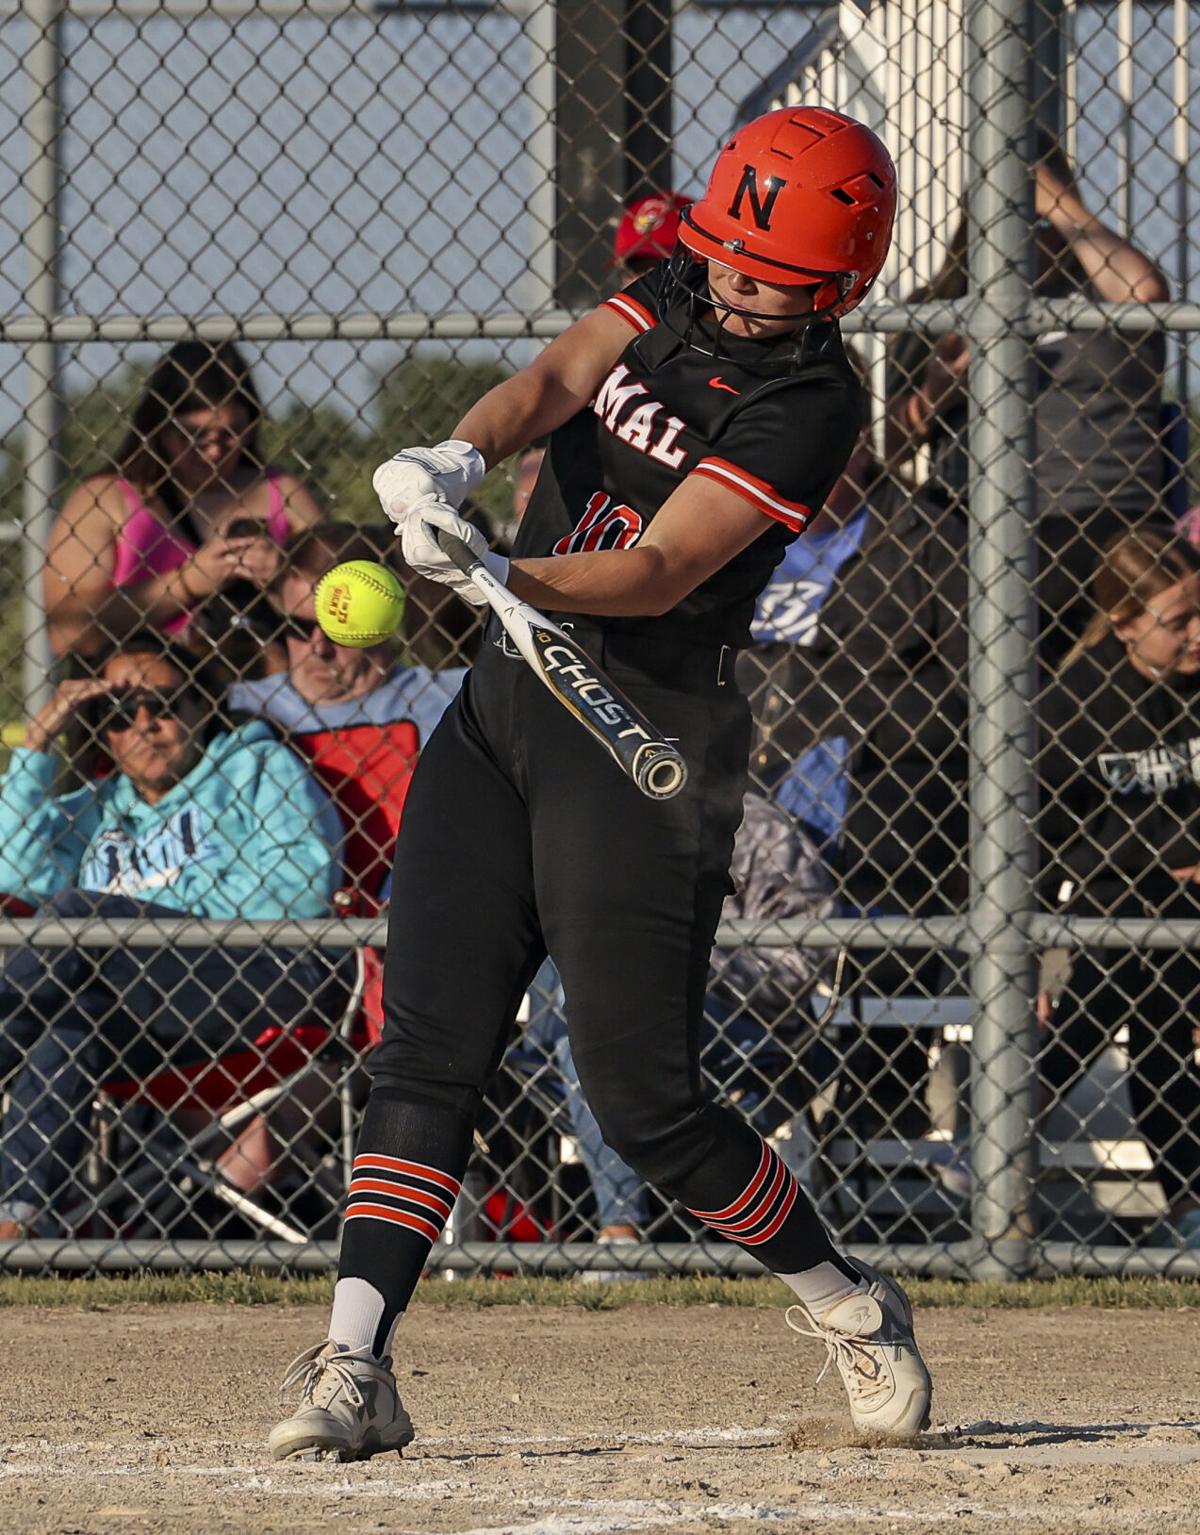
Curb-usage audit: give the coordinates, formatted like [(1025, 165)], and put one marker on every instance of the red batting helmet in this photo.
[(648, 228), (800, 193)]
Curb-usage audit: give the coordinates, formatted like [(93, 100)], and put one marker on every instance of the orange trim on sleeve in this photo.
[(793, 514), (631, 312)]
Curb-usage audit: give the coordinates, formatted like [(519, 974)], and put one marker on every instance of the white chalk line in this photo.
[(605, 1516), (600, 1517), (382, 1478), (701, 1438)]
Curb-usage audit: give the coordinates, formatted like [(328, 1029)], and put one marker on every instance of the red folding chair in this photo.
[(200, 1110)]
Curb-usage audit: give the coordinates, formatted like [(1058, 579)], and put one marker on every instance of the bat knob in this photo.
[(659, 771)]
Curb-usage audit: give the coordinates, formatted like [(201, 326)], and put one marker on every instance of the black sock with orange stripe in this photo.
[(770, 1215), (408, 1167)]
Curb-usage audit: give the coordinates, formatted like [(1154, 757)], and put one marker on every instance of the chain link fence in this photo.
[(251, 250)]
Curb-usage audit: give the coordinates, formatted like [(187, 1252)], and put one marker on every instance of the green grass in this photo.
[(262, 1289)]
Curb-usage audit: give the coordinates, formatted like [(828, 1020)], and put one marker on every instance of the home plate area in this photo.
[(573, 1422)]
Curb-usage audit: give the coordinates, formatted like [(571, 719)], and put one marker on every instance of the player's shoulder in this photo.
[(638, 303)]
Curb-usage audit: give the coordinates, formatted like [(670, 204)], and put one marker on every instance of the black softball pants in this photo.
[(521, 837)]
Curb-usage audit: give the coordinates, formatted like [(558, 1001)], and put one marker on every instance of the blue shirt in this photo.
[(406, 693), (247, 833), (792, 600), (814, 790)]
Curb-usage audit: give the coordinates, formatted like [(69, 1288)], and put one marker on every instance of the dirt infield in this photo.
[(568, 1422)]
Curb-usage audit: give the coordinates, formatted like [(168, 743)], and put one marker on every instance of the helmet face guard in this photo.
[(689, 270), (686, 298)]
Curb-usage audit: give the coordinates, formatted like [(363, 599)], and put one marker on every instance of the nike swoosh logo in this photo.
[(717, 383)]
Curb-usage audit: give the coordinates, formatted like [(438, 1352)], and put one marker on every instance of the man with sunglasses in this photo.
[(194, 819)]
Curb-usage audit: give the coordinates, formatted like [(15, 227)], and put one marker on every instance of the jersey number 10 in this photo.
[(602, 526)]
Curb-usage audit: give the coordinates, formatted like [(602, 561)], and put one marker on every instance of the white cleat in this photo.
[(349, 1407), (869, 1336)]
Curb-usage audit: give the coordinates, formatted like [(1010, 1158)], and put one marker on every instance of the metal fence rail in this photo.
[(384, 212)]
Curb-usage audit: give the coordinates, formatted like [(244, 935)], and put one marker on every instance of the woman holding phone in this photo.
[(187, 510)]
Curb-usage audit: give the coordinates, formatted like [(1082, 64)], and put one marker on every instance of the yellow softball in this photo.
[(359, 603)]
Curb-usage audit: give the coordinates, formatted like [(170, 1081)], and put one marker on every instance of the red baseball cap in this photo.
[(648, 228)]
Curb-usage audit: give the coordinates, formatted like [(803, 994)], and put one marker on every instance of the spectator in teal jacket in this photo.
[(197, 819)]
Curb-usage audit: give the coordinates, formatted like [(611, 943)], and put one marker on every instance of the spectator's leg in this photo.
[(620, 1200), (197, 1003), (1098, 996), (45, 1123), (748, 1062), (85, 1015), (49, 999), (1163, 1081), (37, 985), (621, 1208), (1156, 994)]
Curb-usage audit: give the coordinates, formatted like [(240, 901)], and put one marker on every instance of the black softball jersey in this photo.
[(773, 421), (1119, 769)]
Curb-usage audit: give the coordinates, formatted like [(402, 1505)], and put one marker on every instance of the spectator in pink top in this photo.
[(188, 509)]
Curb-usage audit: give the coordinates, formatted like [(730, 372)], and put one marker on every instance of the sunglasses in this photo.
[(122, 712), (289, 627)]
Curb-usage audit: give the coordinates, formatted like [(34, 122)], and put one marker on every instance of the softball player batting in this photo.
[(697, 418)]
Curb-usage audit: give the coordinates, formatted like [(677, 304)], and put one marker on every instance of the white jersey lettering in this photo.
[(614, 395), (664, 449), (636, 431)]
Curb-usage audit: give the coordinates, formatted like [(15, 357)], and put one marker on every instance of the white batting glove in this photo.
[(450, 470), (422, 551)]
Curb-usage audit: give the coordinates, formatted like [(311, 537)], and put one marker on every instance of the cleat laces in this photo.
[(858, 1359), (309, 1370)]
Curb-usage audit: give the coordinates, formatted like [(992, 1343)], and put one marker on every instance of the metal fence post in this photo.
[(1001, 623), (43, 66)]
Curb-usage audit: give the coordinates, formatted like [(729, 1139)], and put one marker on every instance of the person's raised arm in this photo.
[(80, 555), (553, 388), (43, 838), (84, 611), (1115, 268), (302, 508)]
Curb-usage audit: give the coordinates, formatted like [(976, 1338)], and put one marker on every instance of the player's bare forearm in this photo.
[(552, 389), (616, 583), (699, 529), (512, 414)]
